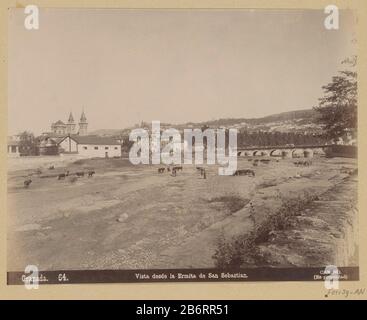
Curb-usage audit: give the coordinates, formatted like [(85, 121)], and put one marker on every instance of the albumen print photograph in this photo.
[(181, 145)]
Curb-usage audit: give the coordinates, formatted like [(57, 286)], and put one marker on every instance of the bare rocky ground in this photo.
[(128, 217)]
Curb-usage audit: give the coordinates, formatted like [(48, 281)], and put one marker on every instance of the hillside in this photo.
[(298, 121), (307, 115)]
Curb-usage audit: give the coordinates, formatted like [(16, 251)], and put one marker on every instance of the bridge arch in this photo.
[(261, 153), (297, 153), (257, 153), (275, 153), (318, 151)]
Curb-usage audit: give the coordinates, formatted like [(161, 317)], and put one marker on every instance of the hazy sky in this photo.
[(125, 66)]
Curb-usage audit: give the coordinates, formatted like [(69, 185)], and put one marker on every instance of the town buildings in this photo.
[(67, 138)]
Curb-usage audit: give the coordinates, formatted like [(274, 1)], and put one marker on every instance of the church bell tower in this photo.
[(71, 124), (83, 125)]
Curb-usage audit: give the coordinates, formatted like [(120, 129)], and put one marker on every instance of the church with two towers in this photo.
[(73, 138), (69, 128)]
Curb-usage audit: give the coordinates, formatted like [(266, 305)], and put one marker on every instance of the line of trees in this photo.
[(338, 107)]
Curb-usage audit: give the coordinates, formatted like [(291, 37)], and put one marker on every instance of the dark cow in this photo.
[(51, 167), (349, 171), (302, 163), (244, 172), (91, 173), (178, 168), (80, 173), (161, 170), (63, 175), (27, 183), (265, 161)]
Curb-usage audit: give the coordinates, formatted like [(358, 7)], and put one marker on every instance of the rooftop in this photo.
[(95, 140), (59, 122)]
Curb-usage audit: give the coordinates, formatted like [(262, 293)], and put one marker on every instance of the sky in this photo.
[(127, 66)]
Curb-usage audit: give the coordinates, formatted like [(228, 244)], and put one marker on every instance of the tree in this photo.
[(27, 144), (338, 107)]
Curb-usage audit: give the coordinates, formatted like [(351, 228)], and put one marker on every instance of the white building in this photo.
[(13, 146), (90, 146)]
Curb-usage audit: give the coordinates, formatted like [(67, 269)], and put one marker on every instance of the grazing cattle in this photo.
[(244, 172), (27, 183), (51, 167), (303, 163), (255, 164), (91, 173), (161, 170), (349, 171), (265, 161), (80, 173), (178, 168), (63, 175)]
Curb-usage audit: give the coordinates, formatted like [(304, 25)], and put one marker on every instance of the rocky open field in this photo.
[(127, 216)]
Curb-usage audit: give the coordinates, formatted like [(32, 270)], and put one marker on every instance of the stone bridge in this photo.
[(307, 151)]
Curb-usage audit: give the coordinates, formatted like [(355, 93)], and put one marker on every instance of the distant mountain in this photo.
[(106, 132), (291, 121), (307, 114)]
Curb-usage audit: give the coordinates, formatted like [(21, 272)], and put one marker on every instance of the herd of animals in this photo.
[(62, 176), (170, 169), (203, 173), (240, 172)]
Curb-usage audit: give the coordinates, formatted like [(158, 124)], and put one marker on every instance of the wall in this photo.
[(344, 151), (91, 152), (69, 145)]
